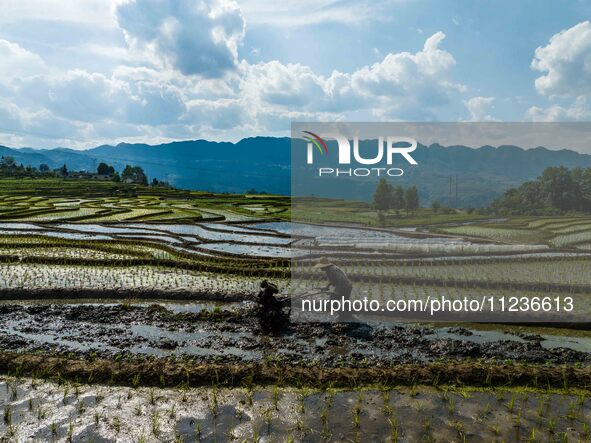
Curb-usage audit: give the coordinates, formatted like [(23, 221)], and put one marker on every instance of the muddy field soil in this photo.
[(36, 411), (234, 335)]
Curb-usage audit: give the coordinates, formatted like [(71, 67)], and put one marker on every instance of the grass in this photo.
[(306, 375)]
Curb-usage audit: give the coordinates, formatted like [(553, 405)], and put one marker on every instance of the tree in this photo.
[(397, 198), (64, 170), (383, 195), (7, 162), (556, 191), (561, 190), (411, 199), (105, 169), (436, 206), (135, 174), (43, 167)]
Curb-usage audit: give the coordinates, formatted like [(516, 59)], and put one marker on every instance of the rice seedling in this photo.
[(511, 404), (552, 425), (7, 416), (357, 416), (156, 424), (451, 406), (275, 397), (70, 434)]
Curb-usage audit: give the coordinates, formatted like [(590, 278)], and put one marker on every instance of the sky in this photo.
[(83, 73)]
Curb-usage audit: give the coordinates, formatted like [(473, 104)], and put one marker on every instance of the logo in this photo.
[(317, 140), (386, 150)]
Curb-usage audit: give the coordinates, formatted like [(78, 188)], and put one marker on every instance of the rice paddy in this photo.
[(130, 311), (46, 411), (560, 232)]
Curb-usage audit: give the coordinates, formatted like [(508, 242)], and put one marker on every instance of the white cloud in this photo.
[(400, 85), (195, 37), (479, 108), (91, 97), (16, 61), (576, 112), (566, 64), (177, 74), (566, 60), (291, 13), (96, 12)]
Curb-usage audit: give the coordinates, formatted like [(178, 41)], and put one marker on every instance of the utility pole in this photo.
[(457, 203), (450, 200)]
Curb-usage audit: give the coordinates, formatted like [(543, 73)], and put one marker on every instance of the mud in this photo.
[(234, 334)]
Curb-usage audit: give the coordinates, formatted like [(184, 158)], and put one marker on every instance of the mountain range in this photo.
[(264, 163)]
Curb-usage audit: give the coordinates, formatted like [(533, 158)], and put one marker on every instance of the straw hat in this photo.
[(323, 262)]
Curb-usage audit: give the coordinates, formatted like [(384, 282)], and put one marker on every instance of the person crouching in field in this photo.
[(339, 281)]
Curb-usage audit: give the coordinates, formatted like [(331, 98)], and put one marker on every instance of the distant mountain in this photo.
[(263, 163)]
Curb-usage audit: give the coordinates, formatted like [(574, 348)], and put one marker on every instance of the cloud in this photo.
[(566, 64), (405, 82), (16, 61), (576, 112), (566, 60), (96, 12), (479, 108), (292, 13), (174, 72), (400, 85), (194, 37), (92, 97)]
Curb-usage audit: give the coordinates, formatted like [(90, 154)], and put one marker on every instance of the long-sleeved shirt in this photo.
[(338, 278)]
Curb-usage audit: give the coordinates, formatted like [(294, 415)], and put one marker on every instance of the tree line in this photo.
[(557, 191), (387, 197), (130, 174)]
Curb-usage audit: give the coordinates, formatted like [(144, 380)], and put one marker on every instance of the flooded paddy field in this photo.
[(133, 319), (211, 332), (41, 411)]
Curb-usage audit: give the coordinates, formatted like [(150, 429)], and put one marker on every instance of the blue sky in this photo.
[(79, 74)]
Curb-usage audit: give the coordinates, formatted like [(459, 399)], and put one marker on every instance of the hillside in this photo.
[(263, 163)]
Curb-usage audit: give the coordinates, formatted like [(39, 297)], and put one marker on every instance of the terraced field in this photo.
[(160, 205), (560, 232), (118, 284)]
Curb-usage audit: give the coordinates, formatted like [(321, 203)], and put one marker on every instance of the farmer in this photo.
[(339, 281), (266, 296), (271, 315)]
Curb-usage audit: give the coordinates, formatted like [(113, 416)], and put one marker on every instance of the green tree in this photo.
[(411, 199), (7, 162), (556, 191), (397, 198), (135, 174), (436, 206), (105, 169), (383, 195), (44, 167), (561, 190)]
